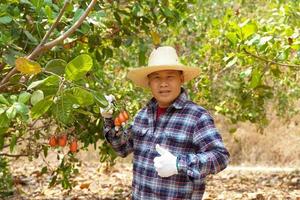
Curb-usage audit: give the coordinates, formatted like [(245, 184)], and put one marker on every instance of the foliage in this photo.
[(6, 182), (249, 54)]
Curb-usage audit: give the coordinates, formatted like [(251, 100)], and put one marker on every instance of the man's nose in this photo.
[(163, 83)]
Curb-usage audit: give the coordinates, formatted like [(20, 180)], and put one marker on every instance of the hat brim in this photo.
[(140, 75)]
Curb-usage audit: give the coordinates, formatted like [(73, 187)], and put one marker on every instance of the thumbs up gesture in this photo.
[(165, 164)]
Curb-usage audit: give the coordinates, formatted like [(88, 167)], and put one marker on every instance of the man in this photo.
[(175, 143)]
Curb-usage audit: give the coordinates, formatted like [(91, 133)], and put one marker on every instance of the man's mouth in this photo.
[(164, 92)]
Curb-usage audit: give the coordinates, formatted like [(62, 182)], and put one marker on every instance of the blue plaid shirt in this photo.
[(188, 132)]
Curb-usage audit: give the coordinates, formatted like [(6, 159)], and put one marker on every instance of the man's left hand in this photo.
[(165, 165)]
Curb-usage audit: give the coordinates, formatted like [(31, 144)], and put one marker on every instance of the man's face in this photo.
[(165, 86)]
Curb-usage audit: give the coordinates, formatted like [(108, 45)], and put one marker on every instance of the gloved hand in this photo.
[(108, 111), (165, 165)]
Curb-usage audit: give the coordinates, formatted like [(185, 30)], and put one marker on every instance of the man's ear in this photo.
[(181, 78)]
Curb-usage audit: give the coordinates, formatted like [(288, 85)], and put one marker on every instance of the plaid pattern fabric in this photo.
[(188, 132)]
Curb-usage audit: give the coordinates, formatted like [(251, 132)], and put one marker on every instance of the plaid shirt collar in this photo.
[(177, 104)]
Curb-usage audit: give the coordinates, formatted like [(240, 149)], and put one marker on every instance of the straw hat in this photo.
[(162, 58)]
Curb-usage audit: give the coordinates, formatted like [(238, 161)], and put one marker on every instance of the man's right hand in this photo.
[(108, 111)]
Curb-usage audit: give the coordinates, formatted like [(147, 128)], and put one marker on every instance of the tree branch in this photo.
[(6, 78), (2, 66), (13, 155), (270, 61), (44, 40), (51, 44)]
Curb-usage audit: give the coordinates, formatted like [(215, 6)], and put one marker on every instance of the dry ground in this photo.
[(278, 146), (95, 182)]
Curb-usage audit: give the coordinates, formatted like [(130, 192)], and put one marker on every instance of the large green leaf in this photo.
[(48, 85), (78, 67), (41, 107), (51, 81), (63, 108), (56, 66), (37, 96), (83, 97), (24, 97)]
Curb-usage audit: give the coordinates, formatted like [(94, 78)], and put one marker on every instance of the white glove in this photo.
[(108, 111), (165, 165)]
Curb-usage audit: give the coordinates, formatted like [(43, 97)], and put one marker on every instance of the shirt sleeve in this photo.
[(211, 155), (121, 140)]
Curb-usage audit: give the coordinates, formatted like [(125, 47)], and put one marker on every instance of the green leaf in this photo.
[(142, 54), (35, 84), (254, 40), (48, 12), (248, 29), (231, 36), (4, 120), (21, 108), (3, 130), (264, 40), (24, 97), (167, 12), (44, 170), (100, 99), (83, 97), (37, 96), (53, 181), (41, 107), (3, 100), (66, 184), (45, 151), (117, 17), (56, 66), (50, 81), (63, 108), (78, 13), (5, 20), (11, 112), (255, 78), (78, 67), (231, 62), (283, 55), (31, 37), (246, 73), (37, 3), (13, 143)]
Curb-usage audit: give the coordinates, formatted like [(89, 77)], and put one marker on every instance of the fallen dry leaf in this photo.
[(85, 185)]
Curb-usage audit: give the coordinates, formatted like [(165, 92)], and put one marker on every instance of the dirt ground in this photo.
[(277, 146), (95, 182)]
